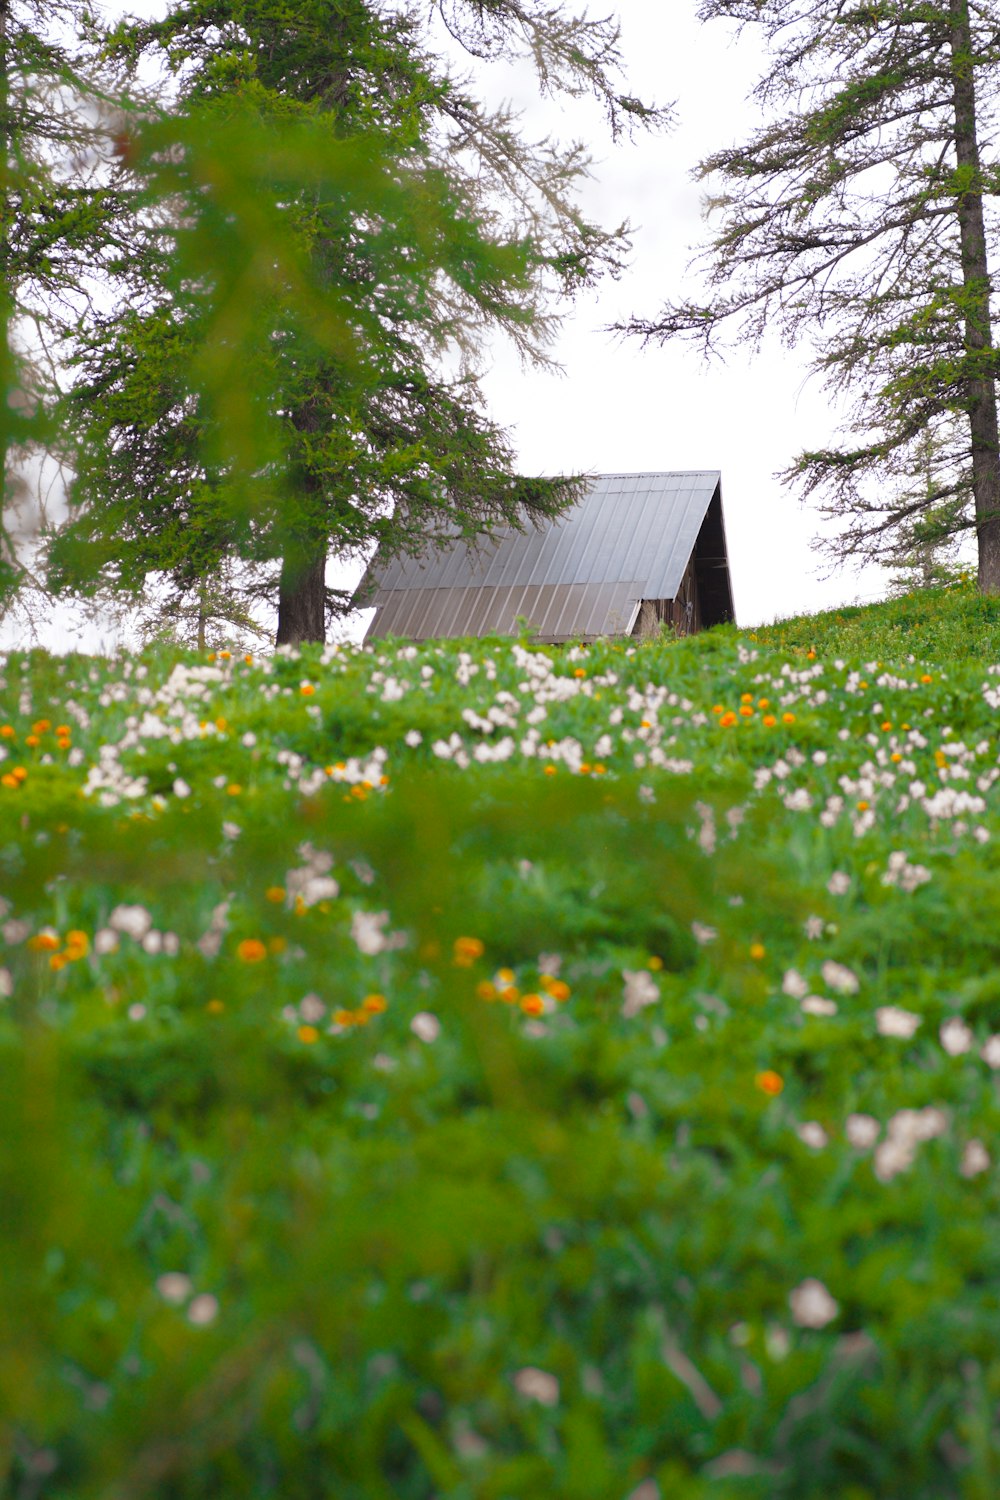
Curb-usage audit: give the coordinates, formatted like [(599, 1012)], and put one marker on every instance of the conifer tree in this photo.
[(856, 218), (444, 225), (57, 227)]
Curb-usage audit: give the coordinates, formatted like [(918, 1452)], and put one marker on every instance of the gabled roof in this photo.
[(629, 538)]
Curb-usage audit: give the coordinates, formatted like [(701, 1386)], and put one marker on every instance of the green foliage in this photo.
[(317, 1177)]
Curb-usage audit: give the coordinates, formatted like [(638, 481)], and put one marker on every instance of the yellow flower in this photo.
[(374, 1005), (757, 951), (215, 1007), (275, 893), (308, 1034)]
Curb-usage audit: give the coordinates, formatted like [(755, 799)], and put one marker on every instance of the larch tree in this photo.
[(57, 229), (858, 218), (379, 250)]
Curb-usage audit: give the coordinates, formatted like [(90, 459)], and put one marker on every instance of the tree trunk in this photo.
[(980, 386), (302, 594)]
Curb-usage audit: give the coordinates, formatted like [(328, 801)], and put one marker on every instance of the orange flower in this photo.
[(788, 718), (770, 1082), (19, 773), (308, 1034), (41, 726), (251, 951), (7, 731), (32, 741), (225, 655), (728, 720), (510, 994), (746, 697), (344, 1017), (234, 789), (717, 708), (862, 806), (505, 976), (249, 660), (275, 893), (77, 944), (927, 677), (533, 1005), (769, 721), (466, 951), (221, 724), (550, 770), (486, 991), (8, 780), (44, 942), (215, 1007), (579, 672), (374, 1005), (307, 690), (763, 703), (757, 951), (557, 988), (886, 727), (746, 711)]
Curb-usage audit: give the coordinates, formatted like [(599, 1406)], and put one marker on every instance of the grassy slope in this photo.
[(535, 1156)]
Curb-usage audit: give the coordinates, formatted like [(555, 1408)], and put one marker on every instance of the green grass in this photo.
[(470, 1071)]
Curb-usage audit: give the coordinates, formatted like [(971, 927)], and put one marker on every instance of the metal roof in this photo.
[(629, 538)]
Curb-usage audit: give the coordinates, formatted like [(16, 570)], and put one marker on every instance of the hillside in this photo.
[(482, 1071)]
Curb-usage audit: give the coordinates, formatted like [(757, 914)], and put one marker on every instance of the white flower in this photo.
[(133, 920), (311, 1008), (892, 1020), (956, 1037), (817, 1005), (990, 1053), (6, 984), (839, 978), (640, 991), (413, 738), (366, 930), (703, 934), (862, 1131), (204, 1309), (975, 1159), (794, 985), (537, 1385), (181, 788), (231, 830), (811, 1304), (811, 1133), (137, 1012), (892, 1156), (174, 1287), (425, 1026), (839, 883), (813, 928)]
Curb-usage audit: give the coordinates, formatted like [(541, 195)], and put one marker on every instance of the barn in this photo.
[(637, 551)]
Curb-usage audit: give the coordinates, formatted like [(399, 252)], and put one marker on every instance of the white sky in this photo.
[(617, 407)]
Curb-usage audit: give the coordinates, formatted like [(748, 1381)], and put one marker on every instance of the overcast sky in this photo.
[(620, 408)]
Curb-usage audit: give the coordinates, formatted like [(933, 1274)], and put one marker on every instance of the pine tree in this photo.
[(854, 218), (441, 225)]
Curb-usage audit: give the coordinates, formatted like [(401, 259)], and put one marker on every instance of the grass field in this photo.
[(497, 1073)]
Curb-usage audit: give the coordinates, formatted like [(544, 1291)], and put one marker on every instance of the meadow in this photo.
[(493, 1072)]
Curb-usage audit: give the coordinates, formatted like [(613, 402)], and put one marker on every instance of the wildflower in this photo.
[(817, 1005), (204, 1309), (374, 1005), (892, 1020), (426, 1026), (307, 690), (839, 883), (640, 991), (703, 934), (77, 944), (728, 720), (343, 1018), (839, 977), (251, 951), (990, 1052), (811, 1304), (215, 1007), (794, 985), (466, 951), (769, 1082), (655, 963), (308, 1034), (757, 951), (956, 1036), (174, 1287), (812, 1134), (532, 1005), (135, 921), (557, 988), (769, 721), (975, 1159), (788, 718), (861, 1131), (537, 1385), (275, 893), (45, 941), (927, 677), (486, 990)]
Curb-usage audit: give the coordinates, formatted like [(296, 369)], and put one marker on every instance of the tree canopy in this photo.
[(325, 228), (854, 218)]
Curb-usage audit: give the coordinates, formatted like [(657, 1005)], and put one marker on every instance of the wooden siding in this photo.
[(682, 613)]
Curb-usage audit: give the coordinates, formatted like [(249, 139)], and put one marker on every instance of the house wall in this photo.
[(682, 613)]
